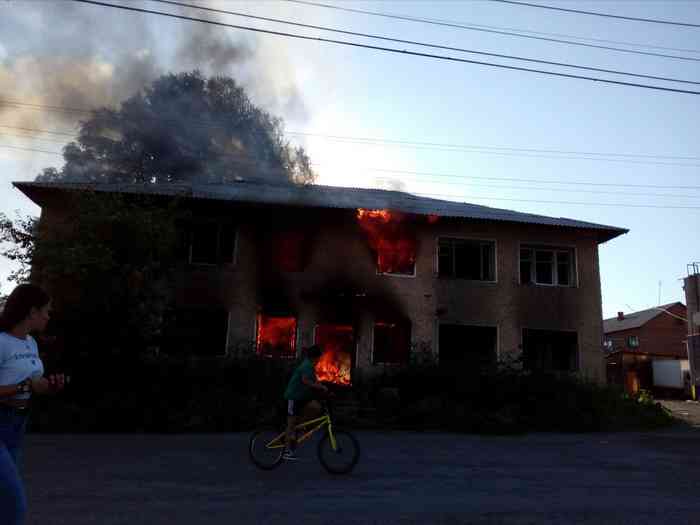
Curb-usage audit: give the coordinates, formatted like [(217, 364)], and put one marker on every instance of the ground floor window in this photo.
[(276, 336), (473, 346), (550, 350), (337, 341), (195, 331), (392, 342)]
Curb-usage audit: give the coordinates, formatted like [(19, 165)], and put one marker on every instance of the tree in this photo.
[(108, 264), (183, 128)]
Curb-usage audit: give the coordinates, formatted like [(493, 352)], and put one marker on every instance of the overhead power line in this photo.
[(8, 146), (205, 122), (625, 158), (466, 183), (423, 176), (426, 178), (509, 32), (388, 49), (472, 197), (429, 178), (425, 44), (37, 130), (595, 13), (536, 181), (26, 136), (606, 204)]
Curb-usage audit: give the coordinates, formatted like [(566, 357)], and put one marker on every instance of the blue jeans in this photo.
[(13, 503)]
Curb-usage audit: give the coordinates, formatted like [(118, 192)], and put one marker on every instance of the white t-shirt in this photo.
[(19, 359)]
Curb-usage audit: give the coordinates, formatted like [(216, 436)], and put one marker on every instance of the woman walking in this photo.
[(27, 310)]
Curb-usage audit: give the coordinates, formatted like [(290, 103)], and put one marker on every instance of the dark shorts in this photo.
[(295, 407)]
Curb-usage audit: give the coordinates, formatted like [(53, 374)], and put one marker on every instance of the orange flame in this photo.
[(388, 237), (335, 365)]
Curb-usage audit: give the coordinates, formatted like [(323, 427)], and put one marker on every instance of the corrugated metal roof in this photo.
[(634, 319), (328, 197)]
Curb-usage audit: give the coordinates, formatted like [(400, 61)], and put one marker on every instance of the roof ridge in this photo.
[(325, 196)]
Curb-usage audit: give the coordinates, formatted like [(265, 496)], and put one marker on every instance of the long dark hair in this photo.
[(19, 305)]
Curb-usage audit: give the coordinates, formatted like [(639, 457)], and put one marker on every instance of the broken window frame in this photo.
[(221, 228), (555, 251), (398, 274), (295, 339), (483, 243)]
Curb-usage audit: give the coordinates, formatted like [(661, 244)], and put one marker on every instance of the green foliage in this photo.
[(507, 399), (108, 263), (165, 394), (182, 128), (18, 244)]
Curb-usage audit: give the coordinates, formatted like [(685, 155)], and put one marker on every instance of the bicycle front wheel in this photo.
[(341, 459), (266, 447)]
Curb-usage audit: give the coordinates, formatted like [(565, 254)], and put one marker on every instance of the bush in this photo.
[(164, 395), (505, 399)]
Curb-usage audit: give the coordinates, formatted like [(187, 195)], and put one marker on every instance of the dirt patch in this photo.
[(687, 411)]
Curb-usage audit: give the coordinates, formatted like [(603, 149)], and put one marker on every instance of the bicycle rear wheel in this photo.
[(344, 457), (266, 447)]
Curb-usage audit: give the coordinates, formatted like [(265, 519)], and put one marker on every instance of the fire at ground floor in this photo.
[(390, 343)]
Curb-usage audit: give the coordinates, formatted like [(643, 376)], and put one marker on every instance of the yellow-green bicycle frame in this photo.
[(317, 424)]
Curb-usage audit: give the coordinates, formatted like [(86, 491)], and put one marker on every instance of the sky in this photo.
[(507, 123)]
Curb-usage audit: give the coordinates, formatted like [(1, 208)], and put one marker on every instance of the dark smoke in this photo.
[(85, 56)]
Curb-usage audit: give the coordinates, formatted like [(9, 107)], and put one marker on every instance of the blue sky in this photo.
[(323, 89)]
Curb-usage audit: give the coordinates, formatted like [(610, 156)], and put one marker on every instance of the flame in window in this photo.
[(391, 240)]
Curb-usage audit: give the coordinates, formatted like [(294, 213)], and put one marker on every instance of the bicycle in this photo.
[(337, 450)]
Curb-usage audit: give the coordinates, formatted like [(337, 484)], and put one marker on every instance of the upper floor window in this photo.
[(633, 341), (466, 259), (288, 250), (211, 243), (397, 257), (547, 266), (608, 345)]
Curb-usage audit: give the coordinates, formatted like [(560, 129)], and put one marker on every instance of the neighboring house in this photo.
[(691, 285), (374, 275), (635, 341)]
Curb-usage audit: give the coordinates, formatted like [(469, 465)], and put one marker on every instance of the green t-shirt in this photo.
[(296, 389)]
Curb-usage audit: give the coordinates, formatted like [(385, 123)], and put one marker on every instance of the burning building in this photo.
[(375, 276)]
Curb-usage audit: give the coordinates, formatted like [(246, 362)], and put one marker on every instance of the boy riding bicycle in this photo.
[(301, 391)]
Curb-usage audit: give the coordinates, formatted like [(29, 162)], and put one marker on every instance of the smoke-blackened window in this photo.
[(547, 266), (392, 342), (195, 332), (211, 243), (466, 259), (289, 250), (550, 350)]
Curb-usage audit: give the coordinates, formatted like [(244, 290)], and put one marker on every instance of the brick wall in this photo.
[(340, 256)]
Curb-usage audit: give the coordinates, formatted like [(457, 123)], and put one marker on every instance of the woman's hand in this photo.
[(52, 384)]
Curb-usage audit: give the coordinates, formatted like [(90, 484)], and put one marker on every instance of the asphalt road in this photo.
[(402, 478)]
